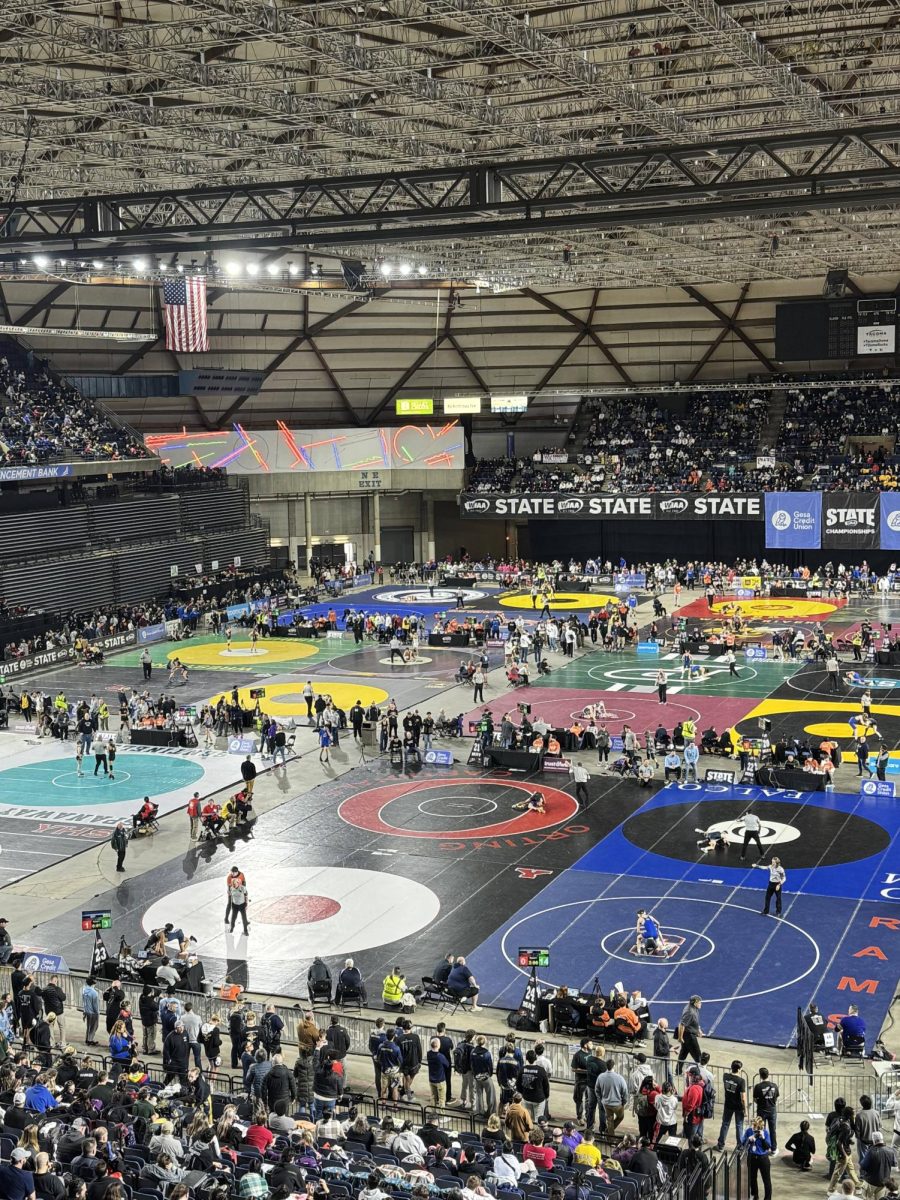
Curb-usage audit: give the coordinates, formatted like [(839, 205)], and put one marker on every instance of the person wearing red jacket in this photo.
[(691, 1103), (193, 812)]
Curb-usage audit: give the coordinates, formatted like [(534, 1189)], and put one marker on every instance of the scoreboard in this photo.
[(813, 330), (96, 919), (534, 956)]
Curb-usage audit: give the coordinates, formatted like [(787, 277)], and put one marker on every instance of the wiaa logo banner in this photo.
[(740, 506)]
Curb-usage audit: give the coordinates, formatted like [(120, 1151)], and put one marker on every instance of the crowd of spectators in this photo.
[(75, 1126), (45, 420), (633, 444), (493, 474), (74, 630), (834, 437)]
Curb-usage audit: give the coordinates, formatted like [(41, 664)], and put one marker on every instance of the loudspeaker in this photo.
[(353, 272), (836, 283)]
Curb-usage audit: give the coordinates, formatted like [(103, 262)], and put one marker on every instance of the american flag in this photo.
[(184, 305)]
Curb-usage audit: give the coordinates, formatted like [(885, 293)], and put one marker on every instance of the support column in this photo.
[(429, 529), (307, 529), (376, 526), (512, 540)]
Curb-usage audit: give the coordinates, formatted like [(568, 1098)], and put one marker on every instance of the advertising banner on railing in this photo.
[(850, 520), (731, 506), (50, 658), (151, 633), (793, 520), (890, 521)]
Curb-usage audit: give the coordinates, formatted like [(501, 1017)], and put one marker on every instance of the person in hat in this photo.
[(15, 1182), (16, 1117)]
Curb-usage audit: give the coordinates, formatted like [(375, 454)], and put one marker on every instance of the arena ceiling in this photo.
[(126, 97), (645, 178)]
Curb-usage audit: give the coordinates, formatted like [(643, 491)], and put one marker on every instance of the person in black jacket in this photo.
[(237, 1031), (55, 1002), (279, 1084), (211, 1037), (176, 1053), (40, 1039), (534, 1084), (67, 1067), (286, 1173), (148, 1011), (29, 1009), (447, 1050), (411, 1049), (338, 1039), (304, 1074), (318, 980), (802, 1146), (113, 998)]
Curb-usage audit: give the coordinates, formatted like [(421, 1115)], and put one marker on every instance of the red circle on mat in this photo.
[(364, 810), (295, 910)]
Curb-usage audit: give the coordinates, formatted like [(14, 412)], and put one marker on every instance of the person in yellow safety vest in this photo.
[(60, 702), (689, 729), (393, 988), (103, 715), (227, 811)]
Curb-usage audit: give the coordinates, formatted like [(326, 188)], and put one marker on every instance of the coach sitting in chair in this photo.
[(145, 816), (462, 985), (318, 981), (853, 1032), (815, 1023), (350, 985)]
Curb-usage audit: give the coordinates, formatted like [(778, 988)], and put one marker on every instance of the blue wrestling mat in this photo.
[(55, 783), (834, 944)]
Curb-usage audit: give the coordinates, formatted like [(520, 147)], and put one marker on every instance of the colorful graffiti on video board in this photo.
[(259, 451)]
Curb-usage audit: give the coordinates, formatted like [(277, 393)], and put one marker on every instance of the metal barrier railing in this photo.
[(802, 1094), (798, 1092)]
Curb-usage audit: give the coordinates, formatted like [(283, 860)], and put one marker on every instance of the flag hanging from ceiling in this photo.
[(99, 954), (184, 306)]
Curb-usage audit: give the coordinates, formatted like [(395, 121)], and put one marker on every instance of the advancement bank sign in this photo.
[(732, 506)]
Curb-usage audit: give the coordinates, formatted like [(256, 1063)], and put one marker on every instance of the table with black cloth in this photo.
[(458, 581), (887, 658), (158, 737), (300, 631), (799, 781), (516, 760), (789, 590), (462, 640)]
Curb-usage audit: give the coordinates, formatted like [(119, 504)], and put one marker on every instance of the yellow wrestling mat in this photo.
[(561, 602), (778, 608), (837, 729), (243, 654), (292, 704), (830, 729)]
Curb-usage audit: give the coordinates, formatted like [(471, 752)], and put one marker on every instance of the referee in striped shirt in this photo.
[(777, 878)]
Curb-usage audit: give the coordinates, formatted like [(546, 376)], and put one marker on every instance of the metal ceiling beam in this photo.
[(572, 347), (294, 345), (333, 380), (722, 335), (41, 306), (467, 362), (781, 174), (584, 326), (420, 360), (732, 327)]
